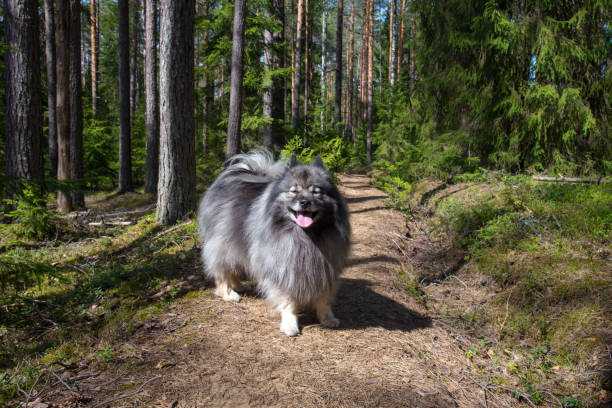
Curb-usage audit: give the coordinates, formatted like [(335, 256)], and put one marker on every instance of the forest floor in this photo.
[(395, 346)]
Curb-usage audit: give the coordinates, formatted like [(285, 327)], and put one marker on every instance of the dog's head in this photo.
[(306, 196)]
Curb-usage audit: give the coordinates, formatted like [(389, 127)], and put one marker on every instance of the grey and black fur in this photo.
[(282, 224)]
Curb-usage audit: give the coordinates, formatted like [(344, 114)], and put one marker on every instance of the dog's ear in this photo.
[(292, 161), (318, 162)]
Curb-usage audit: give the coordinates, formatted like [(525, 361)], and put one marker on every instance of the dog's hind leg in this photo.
[(324, 312)]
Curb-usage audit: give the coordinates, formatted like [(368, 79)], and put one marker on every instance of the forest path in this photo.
[(387, 352)]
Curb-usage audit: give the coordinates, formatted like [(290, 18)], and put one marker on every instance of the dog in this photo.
[(282, 224)]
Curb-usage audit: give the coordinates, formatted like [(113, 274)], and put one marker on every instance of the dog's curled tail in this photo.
[(259, 162)]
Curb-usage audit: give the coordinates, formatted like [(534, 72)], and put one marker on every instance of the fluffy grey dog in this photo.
[(282, 224)]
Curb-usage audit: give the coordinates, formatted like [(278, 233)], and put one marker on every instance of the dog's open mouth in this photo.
[(303, 218)]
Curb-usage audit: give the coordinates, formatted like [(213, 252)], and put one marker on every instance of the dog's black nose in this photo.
[(304, 203)]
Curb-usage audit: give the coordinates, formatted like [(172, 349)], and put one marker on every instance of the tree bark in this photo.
[(235, 106), (94, 17), (306, 63), (297, 67), (370, 85), (400, 51), (364, 61), (50, 65), (134, 59), (176, 188), (339, 29), (392, 44), (151, 98), (76, 103), (125, 142), (273, 92), (209, 89), (412, 53), (323, 62), (23, 101), (62, 54), (349, 122)]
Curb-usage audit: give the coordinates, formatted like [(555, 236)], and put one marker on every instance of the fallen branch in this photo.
[(123, 396), (171, 229), (571, 180), (103, 223)]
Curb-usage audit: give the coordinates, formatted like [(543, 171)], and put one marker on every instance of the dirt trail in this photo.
[(387, 351)]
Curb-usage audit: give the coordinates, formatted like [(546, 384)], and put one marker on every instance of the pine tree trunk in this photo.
[(364, 61), (306, 64), (125, 142), (134, 59), (76, 102), (94, 13), (297, 67), (370, 85), (351, 58), (50, 65), (323, 63), (400, 51), (392, 44), (151, 98), (235, 107), (209, 89), (23, 115), (176, 188), (273, 94), (339, 29), (62, 67), (412, 53)]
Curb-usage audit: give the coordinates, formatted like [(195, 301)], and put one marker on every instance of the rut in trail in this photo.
[(387, 352)]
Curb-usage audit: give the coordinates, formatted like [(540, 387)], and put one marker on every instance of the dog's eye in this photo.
[(316, 190), (293, 190)]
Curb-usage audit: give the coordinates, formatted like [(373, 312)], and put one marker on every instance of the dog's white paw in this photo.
[(330, 321), (290, 328), (289, 322), (227, 294)]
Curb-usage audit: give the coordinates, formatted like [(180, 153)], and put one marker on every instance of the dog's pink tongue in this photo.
[(304, 220)]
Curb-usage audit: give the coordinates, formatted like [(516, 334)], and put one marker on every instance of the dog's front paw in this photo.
[(330, 321), (290, 328)]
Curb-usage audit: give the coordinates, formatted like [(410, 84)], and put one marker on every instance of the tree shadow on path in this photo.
[(360, 307)]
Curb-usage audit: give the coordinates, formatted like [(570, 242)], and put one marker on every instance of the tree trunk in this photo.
[(23, 101), (370, 84), (209, 88), (364, 61), (62, 54), (94, 16), (306, 63), (273, 92), (50, 64), (412, 53), (349, 116), (134, 59), (176, 188), (323, 62), (235, 107), (125, 142), (76, 102), (400, 50), (151, 95), (339, 29), (297, 67), (392, 44)]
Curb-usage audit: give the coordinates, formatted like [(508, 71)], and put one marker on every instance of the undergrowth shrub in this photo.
[(335, 152), (31, 217)]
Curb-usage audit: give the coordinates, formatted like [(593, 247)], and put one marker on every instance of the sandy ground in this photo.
[(389, 351)]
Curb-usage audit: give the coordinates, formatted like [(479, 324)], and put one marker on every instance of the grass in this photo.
[(66, 296), (545, 248)]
